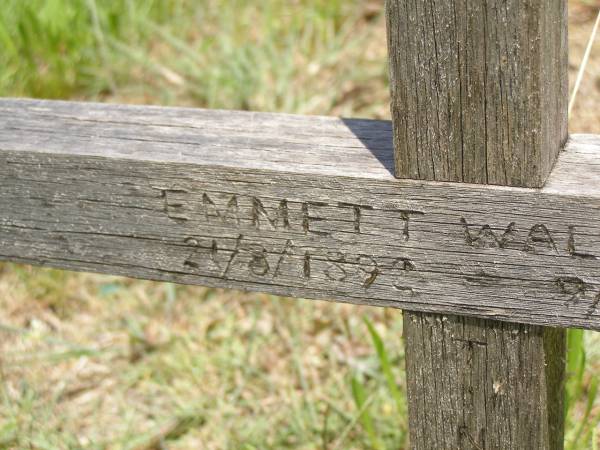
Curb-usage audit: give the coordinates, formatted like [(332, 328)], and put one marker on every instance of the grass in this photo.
[(122, 363), (97, 362), (277, 55)]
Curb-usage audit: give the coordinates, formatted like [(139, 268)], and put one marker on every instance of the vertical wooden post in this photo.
[(479, 95)]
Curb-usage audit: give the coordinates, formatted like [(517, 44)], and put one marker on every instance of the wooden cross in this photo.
[(488, 239)]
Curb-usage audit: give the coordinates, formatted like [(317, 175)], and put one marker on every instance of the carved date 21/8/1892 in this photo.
[(213, 257), (294, 222)]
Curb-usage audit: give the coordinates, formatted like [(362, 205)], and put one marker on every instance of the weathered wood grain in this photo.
[(479, 89), (292, 205), (483, 384), (479, 95)]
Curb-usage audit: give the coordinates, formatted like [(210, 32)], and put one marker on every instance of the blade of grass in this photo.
[(360, 398), (593, 391), (101, 42), (575, 367), (166, 73), (583, 65), (386, 367), (346, 431)]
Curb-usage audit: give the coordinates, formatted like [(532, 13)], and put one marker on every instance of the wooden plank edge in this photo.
[(182, 222)]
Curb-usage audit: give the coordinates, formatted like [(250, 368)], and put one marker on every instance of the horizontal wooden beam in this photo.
[(296, 206)]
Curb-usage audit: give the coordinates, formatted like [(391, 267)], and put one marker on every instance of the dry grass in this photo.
[(585, 117), (98, 362), (105, 362)]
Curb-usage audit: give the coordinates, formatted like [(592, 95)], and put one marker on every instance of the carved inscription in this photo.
[(486, 237), (250, 259), (357, 209), (405, 216), (174, 202), (577, 291), (309, 259), (404, 265), (539, 236), (260, 215), (571, 247), (573, 287), (229, 214), (535, 239)]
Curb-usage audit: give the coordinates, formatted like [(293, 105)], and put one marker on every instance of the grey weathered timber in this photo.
[(479, 89), (292, 205), (479, 94), (483, 384)]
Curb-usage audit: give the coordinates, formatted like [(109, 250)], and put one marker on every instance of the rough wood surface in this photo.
[(483, 384), (479, 89), (479, 94), (292, 205)]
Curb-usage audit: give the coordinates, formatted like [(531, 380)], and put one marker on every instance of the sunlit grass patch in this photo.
[(146, 362), (302, 56)]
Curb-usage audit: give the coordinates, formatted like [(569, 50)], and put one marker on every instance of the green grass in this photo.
[(300, 56), (581, 393), (125, 364), (97, 362)]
